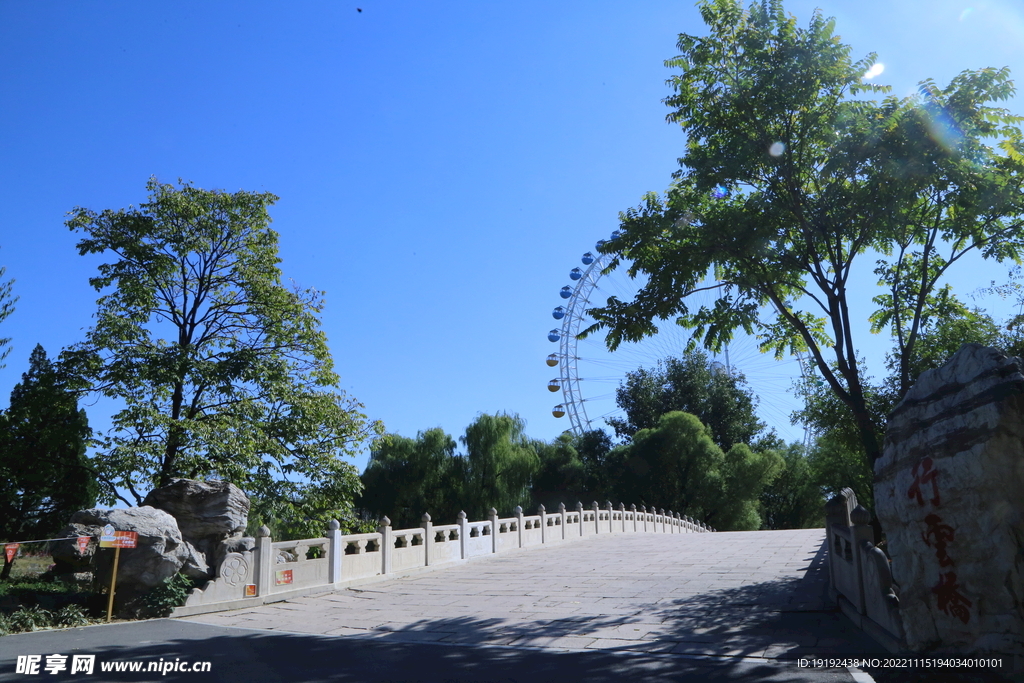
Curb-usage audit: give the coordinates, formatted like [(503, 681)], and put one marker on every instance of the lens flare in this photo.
[(719, 192), (777, 149), (965, 13), (876, 70)]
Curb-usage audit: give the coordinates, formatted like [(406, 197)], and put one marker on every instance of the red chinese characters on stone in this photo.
[(937, 535), (927, 476), (950, 600)]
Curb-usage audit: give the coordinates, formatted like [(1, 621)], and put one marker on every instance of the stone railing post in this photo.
[(543, 523), (597, 517), (671, 522), (265, 548), (463, 533), (428, 537), (643, 511), (862, 533), (608, 508), (387, 545), (622, 516), (662, 520), (561, 511), (519, 523), (334, 552), (632, 509), (579, 512), (494, 530)]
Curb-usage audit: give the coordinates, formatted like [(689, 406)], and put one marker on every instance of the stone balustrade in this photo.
[(285, 569), (860, 580)]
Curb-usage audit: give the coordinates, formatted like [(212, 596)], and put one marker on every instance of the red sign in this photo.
[(284, 576), (83, 543), (250, 590), (9, 551), (121, 539)]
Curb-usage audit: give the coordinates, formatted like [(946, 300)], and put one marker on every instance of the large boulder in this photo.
[(949, 493), (212, 515), (161, 552)]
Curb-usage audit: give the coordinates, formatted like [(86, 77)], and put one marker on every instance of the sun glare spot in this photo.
[(777, 149), (875, 70), (965, 13)]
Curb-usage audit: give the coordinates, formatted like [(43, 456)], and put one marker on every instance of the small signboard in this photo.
[(83, 543), (119, 539), (11, 549), (283, 577), (107, 536), (250, 590)]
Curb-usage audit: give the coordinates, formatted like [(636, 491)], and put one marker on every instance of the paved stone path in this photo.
[(744, 594)]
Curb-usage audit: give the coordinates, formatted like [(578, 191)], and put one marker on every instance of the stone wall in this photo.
[(949, 493)]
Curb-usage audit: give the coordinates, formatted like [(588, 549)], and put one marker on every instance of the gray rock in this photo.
[(161, 552), (948, 493), (207, 513)]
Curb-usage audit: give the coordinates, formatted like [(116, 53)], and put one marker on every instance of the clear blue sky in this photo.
[(441, 166)]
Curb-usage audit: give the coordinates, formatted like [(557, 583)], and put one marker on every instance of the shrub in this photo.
[(162, 600), (30, 619)]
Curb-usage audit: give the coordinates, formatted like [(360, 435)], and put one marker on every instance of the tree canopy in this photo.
[(44, 473), (786, 179), (677, 465), (223, 371), (695, 385)]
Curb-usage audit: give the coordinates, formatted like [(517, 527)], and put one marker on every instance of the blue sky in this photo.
[(441, 166)]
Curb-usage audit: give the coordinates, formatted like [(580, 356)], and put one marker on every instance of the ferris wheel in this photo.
[(589, 374)]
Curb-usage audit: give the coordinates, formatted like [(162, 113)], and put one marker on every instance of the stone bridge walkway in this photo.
[(744, 594)]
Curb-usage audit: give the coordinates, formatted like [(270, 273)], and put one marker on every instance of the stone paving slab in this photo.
[(740, 594)]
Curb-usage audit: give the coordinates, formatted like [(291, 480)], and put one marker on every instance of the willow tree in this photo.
[(786, 179), (222, 370)]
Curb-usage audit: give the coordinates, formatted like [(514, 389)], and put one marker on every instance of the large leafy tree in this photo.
[(223, 371), (407, 477), (44, 473), (694, 385), (786, 180), (677, 465), (500, 463), (6, 308)]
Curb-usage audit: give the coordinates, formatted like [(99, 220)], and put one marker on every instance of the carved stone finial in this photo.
[(643, 508), (561, 507), (425, 517), (579, 505), (541, 508), (632, 506), (385, 521), (662, 511), (462, 514), (493, 512), (860, 516), (334, 525), (608, 505), (594, 505), (264, 531), (519, 510), (622, 506)]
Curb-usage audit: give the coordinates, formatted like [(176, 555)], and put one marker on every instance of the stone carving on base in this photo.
[(949, 492)]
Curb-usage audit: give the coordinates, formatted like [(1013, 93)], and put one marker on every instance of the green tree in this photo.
[(561, 474), (595, 448), (6, 308), (677, 465), (500, 463), (694, 385), (407, 477), (794, 500), (786, 179), (44, 473), (223, 371)]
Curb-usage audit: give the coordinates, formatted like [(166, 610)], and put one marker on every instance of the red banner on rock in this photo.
[(10, 550), (83, 543)]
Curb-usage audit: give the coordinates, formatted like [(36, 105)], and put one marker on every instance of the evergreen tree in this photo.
[(44, 473)]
